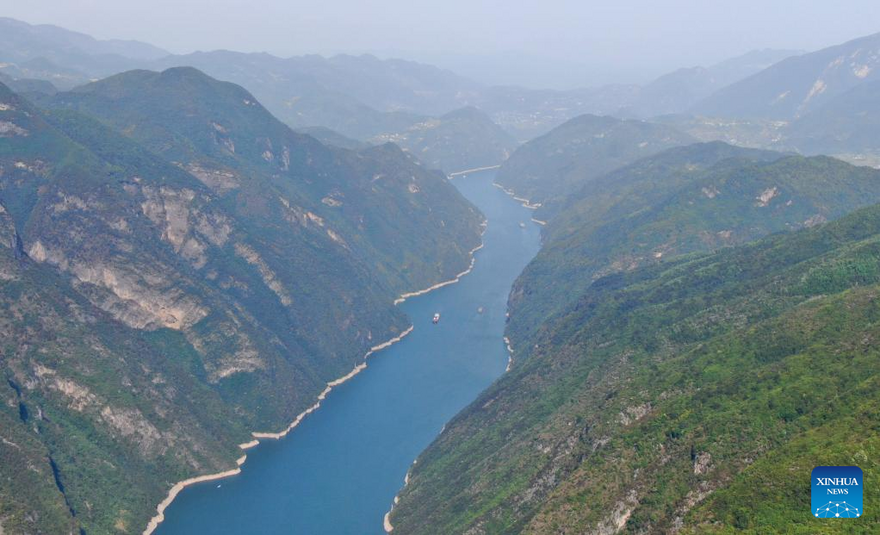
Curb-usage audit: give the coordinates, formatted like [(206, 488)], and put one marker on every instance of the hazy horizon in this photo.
[(561, 44)]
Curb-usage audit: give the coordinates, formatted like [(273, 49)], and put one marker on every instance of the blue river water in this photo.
[(339, 470)]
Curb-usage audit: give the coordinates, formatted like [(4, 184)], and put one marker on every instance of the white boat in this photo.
[(522, 225), (436, 317)]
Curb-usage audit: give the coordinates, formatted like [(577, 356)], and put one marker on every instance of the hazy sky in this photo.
[(548, 43)]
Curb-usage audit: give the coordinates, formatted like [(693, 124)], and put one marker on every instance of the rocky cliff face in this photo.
[(171, 286)]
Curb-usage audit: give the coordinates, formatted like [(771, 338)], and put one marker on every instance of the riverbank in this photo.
[(525, 202), (386, 521), (332, 384), (509, 354), (179, 486), (340, 471), (472, 252), (474, 170)]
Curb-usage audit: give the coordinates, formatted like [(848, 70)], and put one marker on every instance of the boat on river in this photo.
[(436, 318)]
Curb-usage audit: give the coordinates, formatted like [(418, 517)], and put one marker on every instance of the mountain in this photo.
[(752, 133), (363, 97), (623, 219), (845, 126), (679, 90), (697, 198), (64, 57), (179, 269), (740, 67), (332, 138), (21, 41), (797, 85), (848, 123), (359, 97), (28, 85), (688, 396), (366, 99), (530, 113), (562, 161), (389, 84), (44, 70), (527, 114), (459, 140)]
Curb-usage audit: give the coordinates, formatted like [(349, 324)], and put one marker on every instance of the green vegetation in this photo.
[(569, 157), (177, 269), (457, 141), (697, 198), (693, 394)]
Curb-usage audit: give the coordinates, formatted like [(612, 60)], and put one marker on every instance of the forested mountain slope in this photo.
[(697, 198), (196, 274), (559, 163), (459, 140), (689, 396)]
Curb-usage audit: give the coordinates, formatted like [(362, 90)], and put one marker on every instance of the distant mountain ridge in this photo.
[(559, 163), (459, 140), (363, 96), (55, 39), (699, 197), (27, 85), (797, 85), (681, 89), (64, 57), (847, 123)]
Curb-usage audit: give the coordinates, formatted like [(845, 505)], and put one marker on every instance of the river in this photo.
[(338, 471)]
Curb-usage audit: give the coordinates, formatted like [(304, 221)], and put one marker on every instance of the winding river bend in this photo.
[(339, 470)]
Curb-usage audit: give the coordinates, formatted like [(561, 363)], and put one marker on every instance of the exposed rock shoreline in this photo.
[(386, 521), (522, 200), (457, 278), (474, 170)]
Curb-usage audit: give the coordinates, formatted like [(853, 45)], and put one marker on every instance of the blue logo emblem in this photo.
[(836, 492)]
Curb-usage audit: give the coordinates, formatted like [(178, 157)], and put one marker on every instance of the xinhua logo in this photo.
[(836, 492)]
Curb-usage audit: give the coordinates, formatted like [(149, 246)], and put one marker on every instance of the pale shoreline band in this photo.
[(458, 277), (474, 170), (525, 202), (386, 521), (179, 486)]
